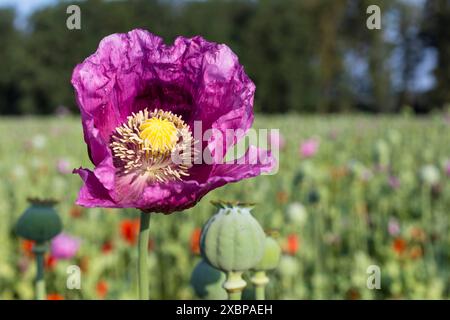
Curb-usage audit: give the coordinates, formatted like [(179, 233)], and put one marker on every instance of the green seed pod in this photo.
[(39, 222), (313, 196), (429, 174), (298, 178), (232, 240), (271, 256), (296, 213), (207, 282), (288, 266)]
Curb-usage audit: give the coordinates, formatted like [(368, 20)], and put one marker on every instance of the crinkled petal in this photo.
[(194, 78), (98, 150), (255, 162), (93, 193), (180, 195)]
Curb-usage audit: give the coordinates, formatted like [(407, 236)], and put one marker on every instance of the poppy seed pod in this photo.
[(39, 222), (232, 240), (429, 175), (313, 196), (288, 266), (271, 256), (298, 178), (296, 213), (207, 282), (269, 261)]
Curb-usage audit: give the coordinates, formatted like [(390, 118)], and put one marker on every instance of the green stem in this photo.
[(143, 256), (39, 250), (236, 295), (234, 285), (260, 281), (260, 293)]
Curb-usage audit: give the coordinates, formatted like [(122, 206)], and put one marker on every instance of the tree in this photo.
[(11, 57), (436, 34)]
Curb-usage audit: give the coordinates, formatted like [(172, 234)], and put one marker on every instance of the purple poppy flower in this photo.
[(394, 182), (309, 148), (393, 227), (140, 100), (64, 246), (63, 166)]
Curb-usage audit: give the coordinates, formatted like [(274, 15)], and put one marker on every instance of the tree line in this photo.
[(303, 55)]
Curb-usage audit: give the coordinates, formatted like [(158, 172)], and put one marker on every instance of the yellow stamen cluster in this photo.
[(159, 135), (146, 144)]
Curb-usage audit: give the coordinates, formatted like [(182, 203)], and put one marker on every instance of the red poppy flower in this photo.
[(54, 296), (195, 240), (50, 262), (27, 247), (129, 230), (102, 289), (107, 247), (292, 244), (399, 246)]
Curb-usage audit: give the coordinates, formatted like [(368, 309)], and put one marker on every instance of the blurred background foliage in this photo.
[(304, 56), (376, 192)]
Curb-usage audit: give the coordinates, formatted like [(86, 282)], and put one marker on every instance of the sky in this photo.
[(25, 7), (422, 82)]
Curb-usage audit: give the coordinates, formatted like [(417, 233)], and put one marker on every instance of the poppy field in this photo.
[(351, 191)]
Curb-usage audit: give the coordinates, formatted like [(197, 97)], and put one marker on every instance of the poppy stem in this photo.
[(234, 285), (260, 292), (39, 250), (260, 281), (143, 256)]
